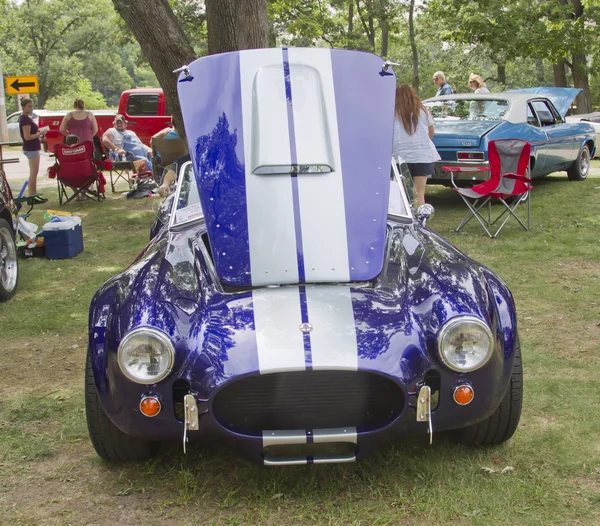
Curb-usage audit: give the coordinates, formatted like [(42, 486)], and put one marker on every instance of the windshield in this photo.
[(401, 190), (468, 109), (186, 205)]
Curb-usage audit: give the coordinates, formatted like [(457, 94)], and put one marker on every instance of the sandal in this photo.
[(37, 199)]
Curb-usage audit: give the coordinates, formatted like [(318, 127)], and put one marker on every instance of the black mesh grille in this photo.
[(308, 400)]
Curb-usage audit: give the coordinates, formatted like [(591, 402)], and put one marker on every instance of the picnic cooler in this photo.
[(64, 238)]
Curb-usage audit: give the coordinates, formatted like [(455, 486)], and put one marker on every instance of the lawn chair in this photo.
[(165, 152), (508, 184), (77, 172)]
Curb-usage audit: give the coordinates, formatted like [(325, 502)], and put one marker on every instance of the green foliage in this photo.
[(82, 90)]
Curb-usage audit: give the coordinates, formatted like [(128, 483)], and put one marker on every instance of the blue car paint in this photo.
[(553, 148), (171, 288), (176, 286)]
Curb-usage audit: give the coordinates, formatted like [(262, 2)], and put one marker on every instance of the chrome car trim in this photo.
[(424, 409), (316, 436), (8, 260), (190, 417)]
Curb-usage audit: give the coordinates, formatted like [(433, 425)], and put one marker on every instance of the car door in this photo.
[(539, 141), (141, 113), (13, 128), (559, 149)]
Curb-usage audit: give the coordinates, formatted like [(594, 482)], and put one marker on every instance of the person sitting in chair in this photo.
[(167, 146), (122, 140)]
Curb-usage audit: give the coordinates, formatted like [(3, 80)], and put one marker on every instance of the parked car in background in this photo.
[(9, 265), (465, 123), (12, 121), (145, 109), (292, 305), (594, 120)]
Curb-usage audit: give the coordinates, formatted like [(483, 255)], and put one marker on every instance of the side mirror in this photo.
[(424, 212)]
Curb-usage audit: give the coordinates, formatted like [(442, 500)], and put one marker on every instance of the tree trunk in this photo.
[(383, 24), (220, 22), (163, 43), (581, 80), (539, 71), (413, 45), (252, 24), (501, 73), (560, 74), (236, 24), (350, 17)]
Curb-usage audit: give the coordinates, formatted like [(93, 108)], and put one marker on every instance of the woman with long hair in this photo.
[(413, 131), (79, 122)]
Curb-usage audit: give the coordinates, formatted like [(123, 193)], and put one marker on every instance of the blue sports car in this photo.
[(465, 123), (292, 305)]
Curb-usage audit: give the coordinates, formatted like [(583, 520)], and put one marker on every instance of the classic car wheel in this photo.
[(578, 171), (9, 266), (108, 440), (503, 422)]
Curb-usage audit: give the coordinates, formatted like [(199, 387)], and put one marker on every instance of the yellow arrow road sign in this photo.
[(22, 84)]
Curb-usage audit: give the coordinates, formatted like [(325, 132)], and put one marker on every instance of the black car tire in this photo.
[(503, 422), (578, 171), (9, 264), (108, 440)]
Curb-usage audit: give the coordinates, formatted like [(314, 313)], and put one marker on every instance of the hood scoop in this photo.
[(291, 150)]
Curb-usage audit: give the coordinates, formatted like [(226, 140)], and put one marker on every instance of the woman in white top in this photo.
[(476, 83), (413, 131)]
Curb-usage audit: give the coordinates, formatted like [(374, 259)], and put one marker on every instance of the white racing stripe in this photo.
[(333, 338), (271, 229), (277, 319), (322, 211)]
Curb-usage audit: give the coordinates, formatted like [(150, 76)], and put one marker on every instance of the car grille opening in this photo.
[(308, 400)]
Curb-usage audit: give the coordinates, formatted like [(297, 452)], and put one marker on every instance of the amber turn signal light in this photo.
[(150, 406), (463, 394)]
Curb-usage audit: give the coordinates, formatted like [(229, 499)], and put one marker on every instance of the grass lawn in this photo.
[(49, 473)]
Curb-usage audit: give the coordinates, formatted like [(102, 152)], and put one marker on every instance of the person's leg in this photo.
[(34, 166), (420, 184)]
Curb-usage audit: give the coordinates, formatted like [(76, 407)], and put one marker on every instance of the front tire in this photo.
[(9, 265), (108, 440), (578, 171), (503, 422)]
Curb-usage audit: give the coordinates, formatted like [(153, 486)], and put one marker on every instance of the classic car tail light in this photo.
[(470, 156), (150, 406), (463, 394)]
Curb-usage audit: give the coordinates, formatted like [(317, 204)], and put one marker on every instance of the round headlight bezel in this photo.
[(159, 336), (451, 325)]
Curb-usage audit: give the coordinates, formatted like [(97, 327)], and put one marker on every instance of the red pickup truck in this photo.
[(145, 110)]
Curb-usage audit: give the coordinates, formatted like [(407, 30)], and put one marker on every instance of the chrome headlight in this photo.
[(465, 344), (146, 355)]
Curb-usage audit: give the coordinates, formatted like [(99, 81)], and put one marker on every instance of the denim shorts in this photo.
[(31, 155), (420, 169)]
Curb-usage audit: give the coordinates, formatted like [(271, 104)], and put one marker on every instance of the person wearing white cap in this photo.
[(120, 139)]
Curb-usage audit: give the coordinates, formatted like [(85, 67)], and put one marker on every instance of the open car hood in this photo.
[(291, 151), (562, 98)]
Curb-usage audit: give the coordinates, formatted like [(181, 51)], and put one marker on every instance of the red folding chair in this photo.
[(508, 184), (77, 171)]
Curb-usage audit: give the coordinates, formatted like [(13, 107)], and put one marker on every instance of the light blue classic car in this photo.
[(465, 123)]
